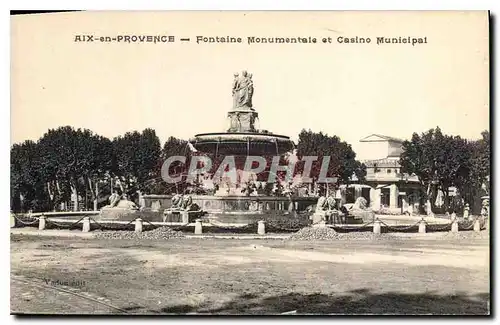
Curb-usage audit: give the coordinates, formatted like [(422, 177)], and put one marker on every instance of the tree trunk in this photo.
[(428, 203), (58, 187), (96, 195), (447, 199), (74, 192), (51, 194), (51, 197), (93, 192)]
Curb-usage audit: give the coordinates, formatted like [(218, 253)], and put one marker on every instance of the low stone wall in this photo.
[(234, 203)]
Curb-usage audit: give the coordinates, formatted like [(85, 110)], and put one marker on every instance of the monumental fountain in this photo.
[(244, 200), (241, 194)]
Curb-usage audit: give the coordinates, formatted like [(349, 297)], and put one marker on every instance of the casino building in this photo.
[(385, 188)]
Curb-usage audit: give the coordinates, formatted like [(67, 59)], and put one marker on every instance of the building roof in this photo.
[(380, 138)]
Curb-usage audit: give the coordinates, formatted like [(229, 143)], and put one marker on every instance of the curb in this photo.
[(89, 235), (236, 237)]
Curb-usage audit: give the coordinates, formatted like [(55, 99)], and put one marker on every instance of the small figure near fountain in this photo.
[(121, 201), (182, 202), (176, 202), (326, 210), (485, 206), (119, 207), (114, 198), (360, 209), (466, 211), (485, 210), (182, 205)]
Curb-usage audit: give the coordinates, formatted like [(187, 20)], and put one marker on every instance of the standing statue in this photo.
[(242, 91), (235, 87), (250, 91)]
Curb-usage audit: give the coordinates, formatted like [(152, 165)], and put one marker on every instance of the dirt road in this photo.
[(415, 275)]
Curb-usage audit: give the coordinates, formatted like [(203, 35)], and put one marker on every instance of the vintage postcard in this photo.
[(250, 163)]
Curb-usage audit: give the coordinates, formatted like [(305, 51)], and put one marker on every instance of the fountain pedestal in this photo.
[(242, 120)]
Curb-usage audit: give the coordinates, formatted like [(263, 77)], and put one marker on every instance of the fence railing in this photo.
[(377, 226)]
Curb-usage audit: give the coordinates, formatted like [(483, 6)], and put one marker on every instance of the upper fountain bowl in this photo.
[(243, 143)]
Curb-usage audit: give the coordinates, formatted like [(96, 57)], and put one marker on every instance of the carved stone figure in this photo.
[(360, 210), (235, 122), (235, 87), (182, 205), (331, 204), (187, 202), (360, 203), (176, 201), (321, 205), (114, 199), (120, 207), (242, 91), (181, 202), (325, 209), (125, 203), (250, 90), (120, 201)]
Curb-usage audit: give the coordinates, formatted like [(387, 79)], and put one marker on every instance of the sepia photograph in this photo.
[(250, 163)]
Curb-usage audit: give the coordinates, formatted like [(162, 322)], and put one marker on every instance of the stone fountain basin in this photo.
[(234, 209), (242, 143)]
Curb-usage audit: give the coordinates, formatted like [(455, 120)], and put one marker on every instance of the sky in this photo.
[(181, 89)]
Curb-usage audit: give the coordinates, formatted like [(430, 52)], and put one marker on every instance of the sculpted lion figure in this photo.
[(187, 202), (360, 203), (176, 201)]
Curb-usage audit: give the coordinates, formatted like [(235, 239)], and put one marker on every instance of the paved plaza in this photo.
[(432, 273)]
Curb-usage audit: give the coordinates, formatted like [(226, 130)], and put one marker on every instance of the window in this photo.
[(389, 171)]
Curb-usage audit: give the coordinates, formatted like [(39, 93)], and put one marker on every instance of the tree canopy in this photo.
[(442, 161), (137, 158), (66, 163), (343, 163)]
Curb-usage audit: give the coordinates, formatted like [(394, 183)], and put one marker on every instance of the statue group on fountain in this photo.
[(243, 91), (330, 209), (182, 202)]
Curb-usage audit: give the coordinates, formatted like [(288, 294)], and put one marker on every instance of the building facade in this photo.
[(385, 188)]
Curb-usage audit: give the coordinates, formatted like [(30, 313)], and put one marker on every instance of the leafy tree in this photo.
[(97, 162), (480, 161), (174, 147), (440, 161), (60, 158), (72, 162), (137, 160), (476, 183), (26, 181), (343, 163)]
